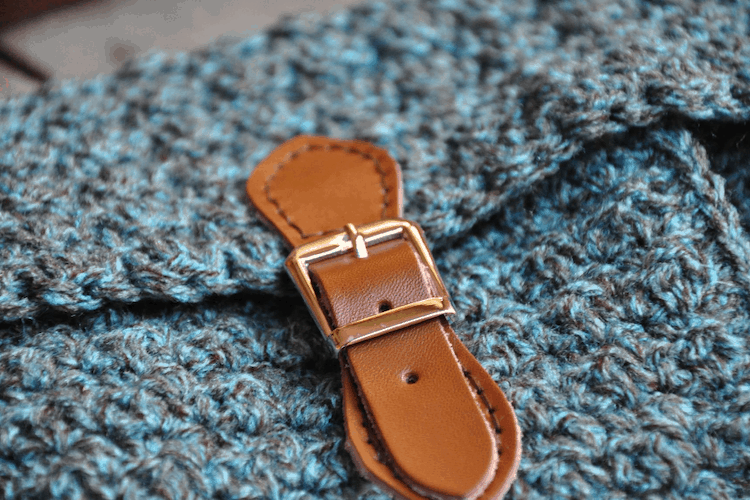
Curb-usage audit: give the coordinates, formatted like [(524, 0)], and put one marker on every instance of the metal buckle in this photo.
[(357, 240)]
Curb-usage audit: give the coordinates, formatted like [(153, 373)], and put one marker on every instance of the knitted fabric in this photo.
[(568, 161)]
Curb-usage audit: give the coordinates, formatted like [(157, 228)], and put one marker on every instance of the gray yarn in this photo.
[(578, 167)]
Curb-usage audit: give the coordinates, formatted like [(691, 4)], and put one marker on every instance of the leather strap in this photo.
[(423, 418)]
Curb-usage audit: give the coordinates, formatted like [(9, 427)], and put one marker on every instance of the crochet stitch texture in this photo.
[(580, 169)]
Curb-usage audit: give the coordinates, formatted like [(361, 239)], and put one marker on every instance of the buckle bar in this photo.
[(357, 240)]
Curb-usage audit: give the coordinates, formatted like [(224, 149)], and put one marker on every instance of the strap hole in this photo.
[(411, 378), (384, 306)]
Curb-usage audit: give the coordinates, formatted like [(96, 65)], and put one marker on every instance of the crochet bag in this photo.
[(578, 169)]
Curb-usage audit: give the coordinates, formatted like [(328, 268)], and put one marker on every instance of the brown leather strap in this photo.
[(419, 405), (423, 418)]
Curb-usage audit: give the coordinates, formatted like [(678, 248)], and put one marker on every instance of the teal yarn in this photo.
[(579, 169)]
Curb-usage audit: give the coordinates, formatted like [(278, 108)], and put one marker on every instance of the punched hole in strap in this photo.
[(410, 377)]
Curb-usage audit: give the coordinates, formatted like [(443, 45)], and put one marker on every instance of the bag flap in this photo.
[(130, 186)]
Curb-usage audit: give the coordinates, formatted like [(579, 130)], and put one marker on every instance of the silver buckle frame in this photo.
[(356, 240)]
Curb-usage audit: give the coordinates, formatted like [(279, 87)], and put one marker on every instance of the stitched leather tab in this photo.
[(423, 418), (421, 409), (311, 186), (499, 412)]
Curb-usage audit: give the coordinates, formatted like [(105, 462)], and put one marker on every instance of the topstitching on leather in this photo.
[(327, 147), (379, 448)]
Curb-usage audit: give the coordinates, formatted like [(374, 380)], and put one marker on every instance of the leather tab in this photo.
[(421, 409), (423, 418), (498, 410), (312, 186)]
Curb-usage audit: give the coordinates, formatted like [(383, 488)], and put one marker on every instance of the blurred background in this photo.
[(60, 39)]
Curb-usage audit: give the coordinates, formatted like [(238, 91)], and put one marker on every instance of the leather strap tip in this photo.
[(363, 443)]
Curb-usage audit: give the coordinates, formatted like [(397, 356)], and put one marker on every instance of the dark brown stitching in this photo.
[(328, 147), (372, 438), (372, 441), (480, 392)]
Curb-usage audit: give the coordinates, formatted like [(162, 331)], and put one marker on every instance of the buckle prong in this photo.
[(360, 249)]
